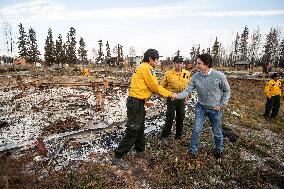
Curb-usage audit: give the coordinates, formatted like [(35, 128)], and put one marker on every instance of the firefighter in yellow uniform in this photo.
[(86, 72), (144, 81), (175, 80), (272, 91)]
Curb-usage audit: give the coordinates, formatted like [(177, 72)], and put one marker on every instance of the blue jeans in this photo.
[(215, 118)]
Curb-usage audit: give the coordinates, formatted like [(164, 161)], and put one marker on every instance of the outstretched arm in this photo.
[(187, 91), (152, 82)]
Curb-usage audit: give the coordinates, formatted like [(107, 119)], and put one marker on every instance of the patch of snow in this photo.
[(28, 113), (236, 114)]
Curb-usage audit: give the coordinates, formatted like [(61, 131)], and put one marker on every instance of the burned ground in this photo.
[(80, 141)]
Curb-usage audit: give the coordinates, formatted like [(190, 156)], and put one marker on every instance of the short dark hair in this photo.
[(150, 53), (275, 75), (178, 59), (206, 59)]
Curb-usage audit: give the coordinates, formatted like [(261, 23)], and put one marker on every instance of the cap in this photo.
[(274, 75), (178, 59)]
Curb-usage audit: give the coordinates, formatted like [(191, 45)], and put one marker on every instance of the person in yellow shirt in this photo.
[(143, 83), (175, 80), (86, 72), (272, 91)]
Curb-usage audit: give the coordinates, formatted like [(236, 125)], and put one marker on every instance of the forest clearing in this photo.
[(55, 134)]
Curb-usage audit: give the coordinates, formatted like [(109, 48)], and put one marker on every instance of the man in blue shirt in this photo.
[(213, 94)]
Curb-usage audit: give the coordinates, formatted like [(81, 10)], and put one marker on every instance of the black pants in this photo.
[(135, 126), (273, 104), (178, 107)]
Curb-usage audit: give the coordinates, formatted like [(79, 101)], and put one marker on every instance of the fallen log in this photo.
[(91, 84), (33, 143)]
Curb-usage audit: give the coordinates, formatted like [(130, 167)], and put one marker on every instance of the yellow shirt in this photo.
[(144, 81), (86, 72), (176, 81), (272, 88)]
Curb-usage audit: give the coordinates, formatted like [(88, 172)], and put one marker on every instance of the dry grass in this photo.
[(254, 161), (247, 98)]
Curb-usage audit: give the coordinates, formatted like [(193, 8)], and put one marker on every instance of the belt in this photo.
[(208, 107), (136, 99)]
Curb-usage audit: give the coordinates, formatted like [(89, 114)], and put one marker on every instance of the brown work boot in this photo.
[(218, 156), (192, 156), (140, 154)]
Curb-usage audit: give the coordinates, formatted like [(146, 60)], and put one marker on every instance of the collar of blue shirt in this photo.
[(209, 72)]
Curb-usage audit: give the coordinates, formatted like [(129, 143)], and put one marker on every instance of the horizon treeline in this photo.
[(248, 45)]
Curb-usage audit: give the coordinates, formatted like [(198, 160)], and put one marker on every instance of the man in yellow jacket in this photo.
[(272, 91), (175, 80), (144, 81)]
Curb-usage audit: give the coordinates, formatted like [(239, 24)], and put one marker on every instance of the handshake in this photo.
[(174, 96)]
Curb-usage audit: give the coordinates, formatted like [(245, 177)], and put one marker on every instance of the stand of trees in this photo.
[(109, 60), (248, 48), (248, 45), (58, 52), (55, 53)]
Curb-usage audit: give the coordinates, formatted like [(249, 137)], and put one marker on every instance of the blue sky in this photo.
[(162, 24)]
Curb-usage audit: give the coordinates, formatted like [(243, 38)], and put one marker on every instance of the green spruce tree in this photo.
[(71, 46), (100, 59), (59, 52), (177, 53), (244, 44), (192, 54), (198, 50), (23, 42), (33, 52), (108, 54), (271, 47), (49, 54), (236, 52), (82, 52), (215, 53)]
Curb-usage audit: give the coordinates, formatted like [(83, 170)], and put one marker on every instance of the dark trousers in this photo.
[(273, 104), (135, 126), (178, 107)]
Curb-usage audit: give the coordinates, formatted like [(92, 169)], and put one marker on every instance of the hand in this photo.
[(149, 103), (187, 98), (218, 108), (174, 96)]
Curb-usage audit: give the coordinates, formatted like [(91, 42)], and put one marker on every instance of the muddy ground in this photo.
[(78, 138)]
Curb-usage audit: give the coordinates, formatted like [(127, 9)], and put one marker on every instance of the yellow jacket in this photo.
[(86, 72), (174, 81), (144, 81), (272, 88)]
